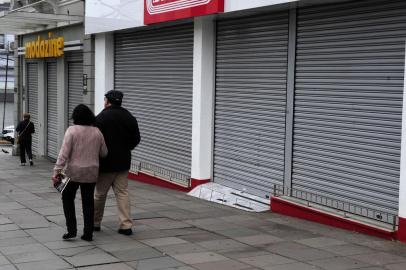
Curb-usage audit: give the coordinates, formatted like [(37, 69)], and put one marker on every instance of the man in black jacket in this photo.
[(25, 130), (121, 133)]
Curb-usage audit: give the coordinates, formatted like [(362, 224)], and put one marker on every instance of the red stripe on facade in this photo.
[(401, 233), (145, 178), (285, 207)]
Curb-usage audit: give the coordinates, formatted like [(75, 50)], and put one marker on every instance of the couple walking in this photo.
[(96, 155)]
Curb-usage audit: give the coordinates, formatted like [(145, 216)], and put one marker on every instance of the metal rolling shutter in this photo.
[(32, 93), (154, 69), (348, 102), (52, 111), (75, 85), (251, 102)]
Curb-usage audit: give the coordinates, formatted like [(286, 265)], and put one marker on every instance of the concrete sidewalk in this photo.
[(172, 231)]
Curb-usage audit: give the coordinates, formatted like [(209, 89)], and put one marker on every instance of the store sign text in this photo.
[(44, 48), (156, 11)]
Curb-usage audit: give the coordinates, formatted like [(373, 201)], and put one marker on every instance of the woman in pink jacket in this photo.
[(82, 147)]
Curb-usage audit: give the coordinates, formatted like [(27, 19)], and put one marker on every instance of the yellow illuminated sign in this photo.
[(44, 48)]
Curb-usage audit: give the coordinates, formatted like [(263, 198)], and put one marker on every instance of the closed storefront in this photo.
[(52, 111), (32, 98), (348, 102), (75, 82), (154, 69), (250, 102), (297, 101), (54, 83)]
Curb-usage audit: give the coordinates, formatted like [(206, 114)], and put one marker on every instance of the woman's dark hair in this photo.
[(83, 116)]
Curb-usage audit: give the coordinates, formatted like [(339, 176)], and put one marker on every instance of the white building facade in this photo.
[(296, 98)]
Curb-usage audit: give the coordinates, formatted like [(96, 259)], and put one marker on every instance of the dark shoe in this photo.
[(31, 163), (87, 238), (68, 235), (125, 231), (96, 229)]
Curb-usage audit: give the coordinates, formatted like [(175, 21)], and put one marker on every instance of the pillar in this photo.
[(104, 68), (203, 99)]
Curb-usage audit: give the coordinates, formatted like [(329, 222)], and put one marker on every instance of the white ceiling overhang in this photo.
[(20, 22), (35, 15)]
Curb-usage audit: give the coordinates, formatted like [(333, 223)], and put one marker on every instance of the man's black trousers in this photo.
[(25, 147)]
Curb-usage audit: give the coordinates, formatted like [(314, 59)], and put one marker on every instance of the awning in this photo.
[(20, 22)]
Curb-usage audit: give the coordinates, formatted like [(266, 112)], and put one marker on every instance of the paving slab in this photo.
[(12, 234), (70, 252), (172, 232), (223, 265), (16, 241), (7, 267), (111, 266), (202, 236), (181, 249), (239, 232), (125, 245), (91, 259), (8, 227), (158, 263), (3, 260), (137, 254), (180, 268), (199, 257), (292, 266), (339, 263), (53, 264), (263, 261), (379, 258), (243, 253), (320, 242), (31, 256), (17, 249), (348, 249), (4, 220), (396, 266), (61, 244), (305, 254), (223, 244), (259, 239), (157, 242)]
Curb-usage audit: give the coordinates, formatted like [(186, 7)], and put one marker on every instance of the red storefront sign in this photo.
[(156, 11)]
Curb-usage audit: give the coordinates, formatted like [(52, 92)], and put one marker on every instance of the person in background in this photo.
[(120, 130), (25, 129), (82, 146)]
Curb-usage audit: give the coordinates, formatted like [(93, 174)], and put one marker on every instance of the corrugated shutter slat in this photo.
[(32, 93), (251, 71), (348, 101), (75, 82), (154, 70), (52, 111)]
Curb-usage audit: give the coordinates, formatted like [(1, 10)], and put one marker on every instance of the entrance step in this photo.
[(231, 197)]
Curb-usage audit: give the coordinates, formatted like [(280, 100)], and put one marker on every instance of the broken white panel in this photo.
[(231, 197)]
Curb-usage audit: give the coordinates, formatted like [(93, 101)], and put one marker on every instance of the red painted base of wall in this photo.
[(285, 207), (145, 178), (401, 233)]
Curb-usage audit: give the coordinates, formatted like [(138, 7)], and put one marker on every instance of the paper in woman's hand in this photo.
[(61, 182)]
